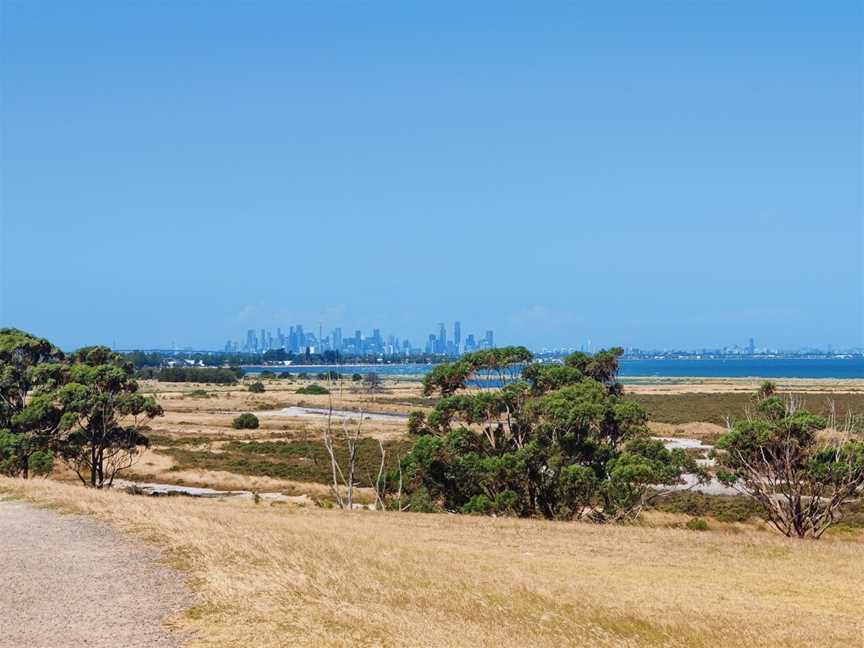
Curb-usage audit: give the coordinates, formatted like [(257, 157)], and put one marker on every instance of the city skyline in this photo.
[(448, 340), (297, 339)]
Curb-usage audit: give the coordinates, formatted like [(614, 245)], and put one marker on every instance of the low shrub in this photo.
[(256, 387), (313, 390), (247, 421), (725, 508), (697, 524)]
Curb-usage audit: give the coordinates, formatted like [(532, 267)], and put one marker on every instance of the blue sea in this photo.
[(708, 368)]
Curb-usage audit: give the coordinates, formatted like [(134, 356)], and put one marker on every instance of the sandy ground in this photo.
[(71, 581)]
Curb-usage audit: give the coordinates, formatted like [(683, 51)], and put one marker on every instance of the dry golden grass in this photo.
[(286, 576)]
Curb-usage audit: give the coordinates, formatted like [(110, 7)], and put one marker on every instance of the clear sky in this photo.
[(655, 174)]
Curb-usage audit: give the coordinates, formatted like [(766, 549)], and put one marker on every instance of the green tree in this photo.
[(511, 437), (778, 456), (28, 416), (103, 415), (257, 387)]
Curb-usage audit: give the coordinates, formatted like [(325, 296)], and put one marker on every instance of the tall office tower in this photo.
[(358, 341), (432, 344), (228, 346), (470, 344), (301, 338), (280, 339), (251, 343), (337, 339), (490, 339), (262, 341), (457, 335), (751, 348), (442, 338)]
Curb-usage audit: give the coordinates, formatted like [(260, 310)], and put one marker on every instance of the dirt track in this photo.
[(70, 581)]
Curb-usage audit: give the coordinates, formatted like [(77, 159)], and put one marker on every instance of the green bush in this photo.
[(247, 421), (356, 377), (697, 524), (256, 388), (420, 501), (199, 393), (313, 390), (479, 504)]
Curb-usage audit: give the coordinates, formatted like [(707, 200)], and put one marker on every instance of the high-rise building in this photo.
[(251, 342), (442, 339), (751, 348), (358, 341), (457, 335), (337, 339), (490, 339)]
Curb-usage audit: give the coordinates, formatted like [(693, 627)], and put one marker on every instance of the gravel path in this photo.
[(71, 581)]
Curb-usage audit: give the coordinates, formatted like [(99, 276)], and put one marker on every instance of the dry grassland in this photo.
[(287, 576)]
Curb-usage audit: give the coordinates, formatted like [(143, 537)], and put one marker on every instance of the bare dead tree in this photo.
[(344, 473)]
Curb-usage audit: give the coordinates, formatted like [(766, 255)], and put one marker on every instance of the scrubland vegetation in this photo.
[(686, 569), (718, 407)]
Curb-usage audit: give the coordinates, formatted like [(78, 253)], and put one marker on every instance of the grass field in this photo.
[(276, 576), (715, 407)]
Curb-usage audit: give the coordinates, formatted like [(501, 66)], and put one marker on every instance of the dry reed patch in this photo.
[(307, 577)]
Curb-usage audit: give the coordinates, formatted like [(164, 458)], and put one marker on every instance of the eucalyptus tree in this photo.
[(510, 436), (802, 469), (101, 431), (28, 416)]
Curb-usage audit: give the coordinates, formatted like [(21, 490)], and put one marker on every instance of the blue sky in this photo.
[(673, 174)]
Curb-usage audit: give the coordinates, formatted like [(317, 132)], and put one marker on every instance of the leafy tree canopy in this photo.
[(556, 441), (28, 369)]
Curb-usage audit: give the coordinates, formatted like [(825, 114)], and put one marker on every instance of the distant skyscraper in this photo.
[(751, 348), (457, 335), (490, 339), (442, 339), (337, 339)]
